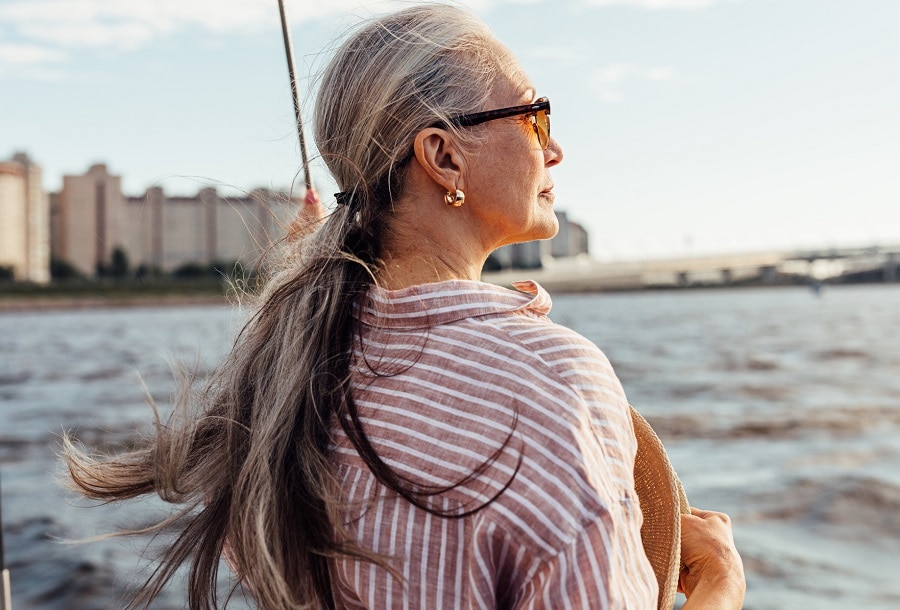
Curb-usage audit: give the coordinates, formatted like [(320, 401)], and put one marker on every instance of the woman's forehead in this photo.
[(513, 92), (513, 86)]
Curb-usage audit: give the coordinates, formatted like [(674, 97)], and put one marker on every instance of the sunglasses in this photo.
[(539, 112)]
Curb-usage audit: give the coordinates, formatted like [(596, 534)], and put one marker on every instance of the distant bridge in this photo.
[(773, 267)]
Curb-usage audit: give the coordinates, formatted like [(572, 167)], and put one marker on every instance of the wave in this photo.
[(15, 378), (842, 354), (839, 421), (55, 576), (861, 508)]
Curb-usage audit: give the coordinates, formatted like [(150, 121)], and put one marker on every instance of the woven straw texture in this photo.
[(663, 501)]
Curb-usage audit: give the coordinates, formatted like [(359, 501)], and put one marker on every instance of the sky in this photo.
[(689, 126)]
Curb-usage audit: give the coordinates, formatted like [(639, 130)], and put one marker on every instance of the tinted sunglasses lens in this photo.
[(542, 127)]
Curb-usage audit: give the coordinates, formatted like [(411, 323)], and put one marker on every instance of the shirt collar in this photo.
[(426, 305)]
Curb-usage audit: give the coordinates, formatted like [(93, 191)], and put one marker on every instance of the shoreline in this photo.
[(559, 280), (39, 303)]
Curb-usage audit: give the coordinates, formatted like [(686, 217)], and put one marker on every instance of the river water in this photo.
[(777, 406)]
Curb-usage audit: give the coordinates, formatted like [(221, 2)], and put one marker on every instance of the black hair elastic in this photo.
[(343, 198)]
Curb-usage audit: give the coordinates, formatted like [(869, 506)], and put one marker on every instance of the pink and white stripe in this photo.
[(442, 374)]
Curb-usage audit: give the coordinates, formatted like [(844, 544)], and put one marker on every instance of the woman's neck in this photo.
[(428, 241), (424, 264), (430, 244)]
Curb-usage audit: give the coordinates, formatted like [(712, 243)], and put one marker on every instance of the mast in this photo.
[(298, 114), (5, 593)]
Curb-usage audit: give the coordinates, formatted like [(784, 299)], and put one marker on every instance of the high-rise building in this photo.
[(89, 219), (92, 218), (24, 220), (167, 232)]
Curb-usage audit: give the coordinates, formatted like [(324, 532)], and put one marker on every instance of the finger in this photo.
[(309, 215), (313, 207), (311, 197), (681, 577), (710, 514)]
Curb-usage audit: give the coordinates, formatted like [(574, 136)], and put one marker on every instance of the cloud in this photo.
[(656, 4), (59, 26), (25, 54), (36, 62), (48, 30), (661, 73), (559, 53), (133, 23), (62, 26), (609, 82)]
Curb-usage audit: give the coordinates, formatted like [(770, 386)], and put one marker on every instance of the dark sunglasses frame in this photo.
[(477, 118)]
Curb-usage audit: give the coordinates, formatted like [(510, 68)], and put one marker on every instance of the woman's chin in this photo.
[(550, 227), (546, 229)]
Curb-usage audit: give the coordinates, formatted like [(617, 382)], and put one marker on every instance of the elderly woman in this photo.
[(388, 431)]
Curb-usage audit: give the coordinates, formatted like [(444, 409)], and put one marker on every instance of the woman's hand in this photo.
[(713, 577), (308, 217)]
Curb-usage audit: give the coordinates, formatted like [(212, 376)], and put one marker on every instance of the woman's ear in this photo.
[(441, 159)]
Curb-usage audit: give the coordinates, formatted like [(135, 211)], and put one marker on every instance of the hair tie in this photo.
[(343, 198)]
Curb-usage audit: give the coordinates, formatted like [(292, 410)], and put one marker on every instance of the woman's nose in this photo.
[(554, 153)]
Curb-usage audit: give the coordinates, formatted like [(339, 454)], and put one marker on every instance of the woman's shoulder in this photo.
[(541, 342)]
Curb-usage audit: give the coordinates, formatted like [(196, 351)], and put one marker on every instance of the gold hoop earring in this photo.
[(455, 199)]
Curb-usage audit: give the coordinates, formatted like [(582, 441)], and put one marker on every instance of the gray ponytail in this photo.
[(251, 464)]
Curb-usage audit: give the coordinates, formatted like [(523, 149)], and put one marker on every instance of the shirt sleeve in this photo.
[(578, 577), (601, 564)]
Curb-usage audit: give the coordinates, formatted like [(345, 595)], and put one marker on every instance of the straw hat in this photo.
[(663, 502)]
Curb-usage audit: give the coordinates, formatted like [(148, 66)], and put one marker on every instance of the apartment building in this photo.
[(24, 220), (92, 217)]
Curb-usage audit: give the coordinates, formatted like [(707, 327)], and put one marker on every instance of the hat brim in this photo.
[(662, 501)]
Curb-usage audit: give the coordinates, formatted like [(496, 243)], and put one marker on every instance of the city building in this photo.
[(92, 218), (88, 219), (571, 240), (168, 232), (24, 220)]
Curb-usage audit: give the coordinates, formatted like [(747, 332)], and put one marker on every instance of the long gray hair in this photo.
[(247, 456)]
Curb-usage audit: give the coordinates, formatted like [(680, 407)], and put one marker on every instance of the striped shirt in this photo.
[(460, 377)]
